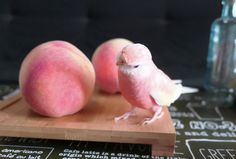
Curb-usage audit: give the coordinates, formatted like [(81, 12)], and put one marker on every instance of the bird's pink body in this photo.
[(142, 84), (136, 90)]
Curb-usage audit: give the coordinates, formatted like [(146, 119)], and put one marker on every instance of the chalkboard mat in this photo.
[(202, 132)]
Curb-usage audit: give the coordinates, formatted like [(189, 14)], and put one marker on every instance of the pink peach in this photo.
[(104, 62), (56, 79)]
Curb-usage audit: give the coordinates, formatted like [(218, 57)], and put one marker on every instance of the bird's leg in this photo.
[(126, 115), (157, 115)]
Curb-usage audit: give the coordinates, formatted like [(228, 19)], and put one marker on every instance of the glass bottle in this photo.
[(221, 60)]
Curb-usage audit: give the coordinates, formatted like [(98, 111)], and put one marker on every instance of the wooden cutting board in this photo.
[(94, 123)]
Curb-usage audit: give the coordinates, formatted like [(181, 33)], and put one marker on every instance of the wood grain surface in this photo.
[(9, 101)]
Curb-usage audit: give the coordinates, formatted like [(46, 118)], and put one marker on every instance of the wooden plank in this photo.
[(94, 123), (10, 99)]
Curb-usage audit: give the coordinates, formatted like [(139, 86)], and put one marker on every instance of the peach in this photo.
[(104, 62), (56, 79)]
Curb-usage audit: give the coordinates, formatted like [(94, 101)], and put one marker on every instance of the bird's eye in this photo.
[(136, 66)]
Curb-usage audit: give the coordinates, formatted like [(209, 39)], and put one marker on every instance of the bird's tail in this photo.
[(186, 90), (180, 89), (177, 81)]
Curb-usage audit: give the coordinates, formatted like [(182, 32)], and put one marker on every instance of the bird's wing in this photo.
[(163, 90)]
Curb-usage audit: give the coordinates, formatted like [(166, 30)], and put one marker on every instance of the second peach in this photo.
[(104, 62)]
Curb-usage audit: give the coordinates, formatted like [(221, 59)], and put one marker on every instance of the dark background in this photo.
[(176, 31)]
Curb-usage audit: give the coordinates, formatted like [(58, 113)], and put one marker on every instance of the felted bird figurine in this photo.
[(143, 85)]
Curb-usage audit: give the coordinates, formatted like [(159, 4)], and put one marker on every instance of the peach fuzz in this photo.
[(56, 79), (104, 62)]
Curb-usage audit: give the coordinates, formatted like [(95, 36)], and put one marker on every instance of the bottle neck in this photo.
[(228, 6)]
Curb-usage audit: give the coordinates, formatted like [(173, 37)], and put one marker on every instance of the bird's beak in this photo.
[(120, 62)]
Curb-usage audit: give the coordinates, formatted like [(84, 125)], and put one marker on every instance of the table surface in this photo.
[(204, 130)]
